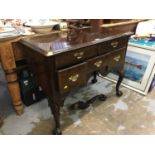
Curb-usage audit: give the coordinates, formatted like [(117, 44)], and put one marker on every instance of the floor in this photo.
[(128, 115)]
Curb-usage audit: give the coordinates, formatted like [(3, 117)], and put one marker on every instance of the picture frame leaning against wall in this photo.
[(139, 68)]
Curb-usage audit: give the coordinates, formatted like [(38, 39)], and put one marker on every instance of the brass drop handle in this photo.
[(114, 44), (79, 55), (98, 63), (117, 58), (73, 78)]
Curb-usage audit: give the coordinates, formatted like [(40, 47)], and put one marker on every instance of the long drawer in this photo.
[(75, 56), (112, 45), (72, 77)]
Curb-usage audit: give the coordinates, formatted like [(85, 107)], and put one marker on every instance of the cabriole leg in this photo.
[(94, 80), (55, 108), (120, 79)]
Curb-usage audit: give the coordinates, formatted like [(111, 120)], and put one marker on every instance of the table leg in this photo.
[(120, 79), (14, 90), (9, 67), (94, 80), (55, 108)]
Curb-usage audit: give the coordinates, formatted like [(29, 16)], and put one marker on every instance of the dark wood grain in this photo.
[(61, 65), (54, 44), (84, 34), (72, 77), (75, 56)]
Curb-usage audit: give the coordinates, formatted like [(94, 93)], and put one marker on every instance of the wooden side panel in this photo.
[(18, 51), (39, 67)]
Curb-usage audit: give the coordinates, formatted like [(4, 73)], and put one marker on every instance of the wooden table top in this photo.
[(59, 42)]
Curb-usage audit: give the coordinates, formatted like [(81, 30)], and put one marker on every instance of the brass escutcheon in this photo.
[(117, 58), (73, 78), (98, 63), (79, 55), (114, 44)]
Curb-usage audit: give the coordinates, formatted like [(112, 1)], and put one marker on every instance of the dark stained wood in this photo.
[(113, 44), (84, 105), (116, 58), (75, 56), (39, 66), (96, 24), (97, 63), (72, 77), (81, 37), (61, 64), (54, 44), (120, 79)]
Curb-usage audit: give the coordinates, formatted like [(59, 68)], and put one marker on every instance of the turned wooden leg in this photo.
[(120, 79), (9, 67), (14, 90), (94, 80), (55, 108)]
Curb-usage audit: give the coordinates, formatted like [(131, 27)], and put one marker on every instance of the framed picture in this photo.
[(139, 68)]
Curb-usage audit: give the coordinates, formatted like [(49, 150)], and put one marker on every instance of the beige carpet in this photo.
[(130, 114)]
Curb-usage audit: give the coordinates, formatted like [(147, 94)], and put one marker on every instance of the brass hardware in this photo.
[(117, 58), (49, 53), (73, 78), (114, 44), (65, 87), (79, 55), (98, 63)]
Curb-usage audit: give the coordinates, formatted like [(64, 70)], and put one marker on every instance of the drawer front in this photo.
[(97, 63), (116, 58), (112, 45), (76, 56), (71, 77)]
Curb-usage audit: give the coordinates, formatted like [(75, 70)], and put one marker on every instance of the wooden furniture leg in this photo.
[(55, 108), (94, 80), (120, 79), (9, 67)]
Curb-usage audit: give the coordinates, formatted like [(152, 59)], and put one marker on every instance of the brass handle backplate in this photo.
[(114, 44), (79, 55), (73, 78), (117, 58), (98, 63)]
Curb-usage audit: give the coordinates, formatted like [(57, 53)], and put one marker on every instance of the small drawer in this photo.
[(116, 58), (113, 44), (97, 63), (72, 77), (76, 56)]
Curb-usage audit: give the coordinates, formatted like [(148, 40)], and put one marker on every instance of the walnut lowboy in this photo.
[(73, 62)]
